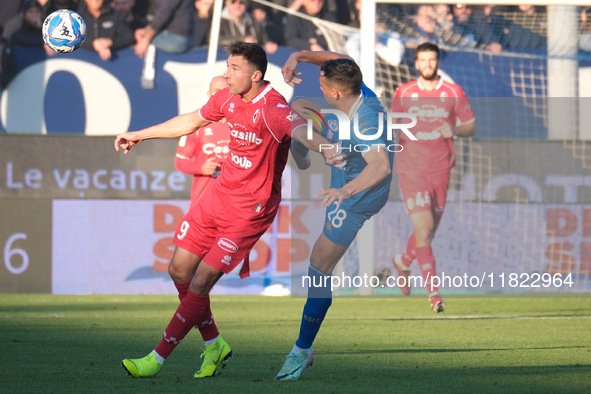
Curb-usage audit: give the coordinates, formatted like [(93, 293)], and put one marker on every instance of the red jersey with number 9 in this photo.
[(432, 152), (260, 136)]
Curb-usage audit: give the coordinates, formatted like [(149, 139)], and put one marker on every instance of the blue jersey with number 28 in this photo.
[(365, 114)]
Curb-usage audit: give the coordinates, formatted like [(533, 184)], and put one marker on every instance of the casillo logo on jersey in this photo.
[(247, 136), (212, 148), (227, 245), (434, 112), (241, 161)]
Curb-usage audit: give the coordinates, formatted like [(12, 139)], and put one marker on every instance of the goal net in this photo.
[(519, 201)]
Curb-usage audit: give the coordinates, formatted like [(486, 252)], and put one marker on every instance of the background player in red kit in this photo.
[(442, 112), (202, 153), (221, 229)]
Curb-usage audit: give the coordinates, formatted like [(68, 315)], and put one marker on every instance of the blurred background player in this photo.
[(202, 153), (358, 190), (424, 165)]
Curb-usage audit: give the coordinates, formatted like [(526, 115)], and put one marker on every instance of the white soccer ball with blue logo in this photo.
[(64, 31)]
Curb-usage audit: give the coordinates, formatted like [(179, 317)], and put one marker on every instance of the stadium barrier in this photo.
[(74, 208)]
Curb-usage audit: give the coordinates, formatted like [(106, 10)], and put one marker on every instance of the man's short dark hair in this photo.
[(345, 73), (427, 47), (252, 52)]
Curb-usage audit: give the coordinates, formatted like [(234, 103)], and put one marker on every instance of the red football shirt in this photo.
[(259, 146), (196, 148), (432, 153)]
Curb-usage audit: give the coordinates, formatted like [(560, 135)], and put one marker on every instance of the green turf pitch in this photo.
[(74, 344)]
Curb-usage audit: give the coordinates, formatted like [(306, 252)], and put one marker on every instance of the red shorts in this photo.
[(216, 233), (424, 193)]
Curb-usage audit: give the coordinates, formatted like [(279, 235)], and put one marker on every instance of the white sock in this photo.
[(299, 350), (211, 341), (159, 358)]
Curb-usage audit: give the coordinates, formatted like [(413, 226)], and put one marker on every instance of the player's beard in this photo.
[(430, 76)]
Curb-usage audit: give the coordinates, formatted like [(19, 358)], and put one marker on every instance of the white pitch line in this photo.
[(475, 317)]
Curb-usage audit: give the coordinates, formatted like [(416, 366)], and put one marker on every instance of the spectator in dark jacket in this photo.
[(23, 33), (29, 33), (126, 8), (10, 9), (202, 21), (171, 30), (105, 29), (236, 24), (54, 5), (271, 32), (303, 34)]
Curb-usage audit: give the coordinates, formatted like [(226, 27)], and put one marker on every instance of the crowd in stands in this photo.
[(176, 26)]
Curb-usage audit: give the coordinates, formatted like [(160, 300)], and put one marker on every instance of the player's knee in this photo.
[(177, 273), (202, 284), (423, 235), (173, 272)]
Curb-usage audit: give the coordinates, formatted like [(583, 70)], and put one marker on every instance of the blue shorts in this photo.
[(341, 224)]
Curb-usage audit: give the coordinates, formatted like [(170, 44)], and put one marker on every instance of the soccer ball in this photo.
[(64, 31)]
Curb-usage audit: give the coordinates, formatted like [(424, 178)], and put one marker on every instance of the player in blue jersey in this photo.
[(358, 189)]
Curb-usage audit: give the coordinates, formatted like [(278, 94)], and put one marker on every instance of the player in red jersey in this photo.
[(233, 214), (442, 111), (202, 153)]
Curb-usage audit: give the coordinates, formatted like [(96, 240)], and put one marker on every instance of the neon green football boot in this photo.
[(146, 367), (214, 355)]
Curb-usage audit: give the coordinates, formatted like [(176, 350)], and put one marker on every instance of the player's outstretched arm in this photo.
[(466, 129), (377, 169), (176, 127), (317, 143), (288, 70)]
